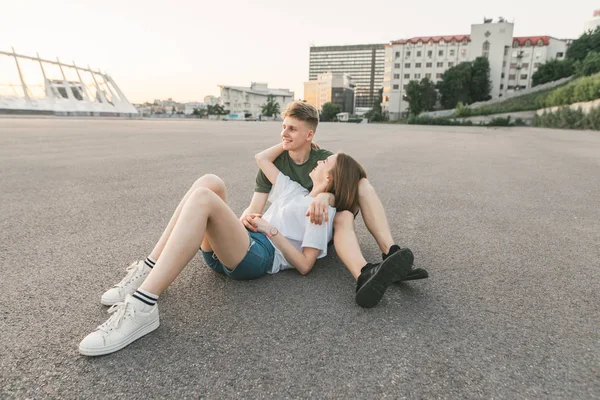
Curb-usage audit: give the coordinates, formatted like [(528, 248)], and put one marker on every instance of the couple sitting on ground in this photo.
[(314, 195)]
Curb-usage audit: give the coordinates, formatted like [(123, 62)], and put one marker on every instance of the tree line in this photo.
[(582, 59)]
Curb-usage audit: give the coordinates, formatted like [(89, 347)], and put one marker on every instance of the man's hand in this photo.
[(248, 219), (315, 146), (318, 209)]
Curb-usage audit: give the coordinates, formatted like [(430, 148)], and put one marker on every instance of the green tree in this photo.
[(429, 94), (586, 43), (217, 109), (590, 64), (455, 86), (580, 47), (271, 107), (375, 113), (200, 112), (414, 97), (330, 111), (481, 85), (421, 96), (577, 53), (552, 71)]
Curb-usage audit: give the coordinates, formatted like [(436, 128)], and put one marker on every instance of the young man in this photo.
[(301, 156)]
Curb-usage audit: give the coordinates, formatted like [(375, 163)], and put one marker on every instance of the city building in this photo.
[(363, 63), (190, 107), (211, 100), (593, 23), (247, 102), (337, 88), (513, 60), (168, 106)]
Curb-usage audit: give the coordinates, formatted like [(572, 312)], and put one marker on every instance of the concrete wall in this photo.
[(527, 116), (586, 107)]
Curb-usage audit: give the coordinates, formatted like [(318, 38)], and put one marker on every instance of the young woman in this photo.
[(285, 239)]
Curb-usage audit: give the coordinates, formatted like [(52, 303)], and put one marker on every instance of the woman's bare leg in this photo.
[(204, 213), (209, 181)]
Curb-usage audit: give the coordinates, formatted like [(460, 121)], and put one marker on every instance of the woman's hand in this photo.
[(248, 218), (261, 225)]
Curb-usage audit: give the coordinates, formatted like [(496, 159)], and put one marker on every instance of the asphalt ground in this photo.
[(507, 221)]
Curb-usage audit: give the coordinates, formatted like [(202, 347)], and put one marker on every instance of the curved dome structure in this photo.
[(32, 85)]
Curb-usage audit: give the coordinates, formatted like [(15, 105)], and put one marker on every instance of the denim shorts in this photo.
[(257, 262)]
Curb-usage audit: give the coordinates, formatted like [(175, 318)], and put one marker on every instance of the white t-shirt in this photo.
[(289, 204)]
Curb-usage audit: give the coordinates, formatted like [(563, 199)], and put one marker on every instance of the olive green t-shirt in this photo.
[(297, 173)]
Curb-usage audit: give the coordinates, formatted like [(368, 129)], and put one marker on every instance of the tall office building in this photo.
[(363, 63), (330, 88)]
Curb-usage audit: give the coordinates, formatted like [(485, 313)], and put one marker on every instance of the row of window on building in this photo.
[(520, 66), (427, 65), (419, 53), (511, 77)]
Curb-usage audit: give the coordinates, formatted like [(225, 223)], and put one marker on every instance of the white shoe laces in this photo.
[(118, 311), (132, 272)]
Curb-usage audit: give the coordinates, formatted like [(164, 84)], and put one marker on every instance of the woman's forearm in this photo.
[(296, 258), (265, 160), (270, 154)]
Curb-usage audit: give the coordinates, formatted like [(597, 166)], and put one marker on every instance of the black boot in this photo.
[(374, 279), (414, 274)]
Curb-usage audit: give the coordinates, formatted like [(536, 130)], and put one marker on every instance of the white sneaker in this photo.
[(129, 321), (136, 273)]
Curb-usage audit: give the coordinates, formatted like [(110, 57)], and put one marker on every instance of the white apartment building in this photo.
[(513, 60), (211, 100), (247, 102), (190, 107)]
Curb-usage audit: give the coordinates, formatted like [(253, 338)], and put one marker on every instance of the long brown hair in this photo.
[(344, 185)]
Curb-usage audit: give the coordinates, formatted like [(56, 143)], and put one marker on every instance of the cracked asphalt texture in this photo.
[(507, 222)]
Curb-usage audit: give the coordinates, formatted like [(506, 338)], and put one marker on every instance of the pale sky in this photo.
[(183, 49)]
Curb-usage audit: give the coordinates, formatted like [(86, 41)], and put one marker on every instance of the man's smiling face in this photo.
[(295, 134)]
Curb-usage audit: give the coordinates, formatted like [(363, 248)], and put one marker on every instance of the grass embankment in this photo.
[(580, 90)]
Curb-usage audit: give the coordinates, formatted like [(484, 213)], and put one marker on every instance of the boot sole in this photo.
[(417, 273), (141, 332), (394, 268)]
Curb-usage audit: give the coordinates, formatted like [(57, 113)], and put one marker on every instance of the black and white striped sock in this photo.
[(145, 297), (150, 262)]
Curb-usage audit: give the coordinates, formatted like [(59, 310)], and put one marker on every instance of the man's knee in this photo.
[(365, 188), (210, 181), (343, 220)]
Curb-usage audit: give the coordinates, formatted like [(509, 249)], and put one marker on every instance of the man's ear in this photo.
[(310, 135)]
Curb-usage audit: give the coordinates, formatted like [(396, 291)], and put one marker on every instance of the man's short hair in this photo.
[(304, 112)]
